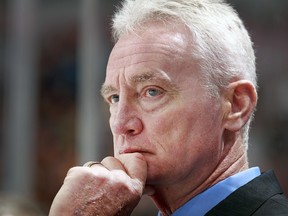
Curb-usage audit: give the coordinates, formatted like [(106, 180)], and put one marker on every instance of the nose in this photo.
[(125, 121)]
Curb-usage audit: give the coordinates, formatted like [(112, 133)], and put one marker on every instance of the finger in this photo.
[(111, 163), (135, 165), (95, 166), (91, 163)]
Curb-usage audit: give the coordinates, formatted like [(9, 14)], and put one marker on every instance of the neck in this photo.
[(170, 198)]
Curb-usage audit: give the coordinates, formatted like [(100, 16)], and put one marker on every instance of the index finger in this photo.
[(112, 163), (135, 165)]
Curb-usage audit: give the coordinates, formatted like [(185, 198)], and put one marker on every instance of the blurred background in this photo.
[(53, 56)]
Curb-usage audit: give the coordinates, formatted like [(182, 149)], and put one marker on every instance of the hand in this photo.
[(112, 189)]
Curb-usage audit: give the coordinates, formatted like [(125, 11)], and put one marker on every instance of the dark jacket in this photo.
[(260, 197)]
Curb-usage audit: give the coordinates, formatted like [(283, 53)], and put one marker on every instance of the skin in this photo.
[(171, 140)]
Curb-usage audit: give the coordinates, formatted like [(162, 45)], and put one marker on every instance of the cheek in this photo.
[(184, 130), (168, 130), (113, 136)]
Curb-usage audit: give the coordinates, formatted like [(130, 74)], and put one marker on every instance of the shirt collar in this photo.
[(205, 201)]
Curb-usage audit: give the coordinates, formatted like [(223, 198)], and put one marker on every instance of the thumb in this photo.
[(135, 165)]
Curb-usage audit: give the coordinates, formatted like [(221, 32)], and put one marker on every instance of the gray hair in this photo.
[(221, 43)]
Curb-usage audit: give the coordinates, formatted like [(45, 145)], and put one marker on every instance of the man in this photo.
[(181, 86)]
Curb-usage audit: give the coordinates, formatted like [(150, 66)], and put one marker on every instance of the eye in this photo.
[(153, 92), (114, 99)]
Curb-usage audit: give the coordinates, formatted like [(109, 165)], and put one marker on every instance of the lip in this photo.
[(131, 150)]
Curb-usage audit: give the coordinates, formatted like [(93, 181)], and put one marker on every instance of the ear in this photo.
[(240, 101)]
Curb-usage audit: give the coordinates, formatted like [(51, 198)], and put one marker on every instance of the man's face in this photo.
[(159, 107)]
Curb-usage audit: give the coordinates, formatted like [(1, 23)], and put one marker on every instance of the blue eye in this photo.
[(114, 99), (153, 92)]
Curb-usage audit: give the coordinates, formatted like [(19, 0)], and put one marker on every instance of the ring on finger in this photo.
[(91, 163)]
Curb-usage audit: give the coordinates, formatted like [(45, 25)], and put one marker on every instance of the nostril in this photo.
[(131, 131)]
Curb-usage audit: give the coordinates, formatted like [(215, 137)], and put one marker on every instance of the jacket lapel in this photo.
[(248, 198)]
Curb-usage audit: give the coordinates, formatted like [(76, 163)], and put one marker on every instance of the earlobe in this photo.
[(241, 99)]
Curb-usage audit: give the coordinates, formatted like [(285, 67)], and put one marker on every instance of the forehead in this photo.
[(157, 46)]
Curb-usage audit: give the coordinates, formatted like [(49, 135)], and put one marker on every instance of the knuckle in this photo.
[(122, 182), (85, 175)]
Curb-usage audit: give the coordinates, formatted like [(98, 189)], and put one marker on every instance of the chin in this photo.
[(155, 178)]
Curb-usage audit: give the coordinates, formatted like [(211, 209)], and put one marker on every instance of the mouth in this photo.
[(130, 150)]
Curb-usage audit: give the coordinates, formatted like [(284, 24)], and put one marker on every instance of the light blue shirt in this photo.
[(205, 201)]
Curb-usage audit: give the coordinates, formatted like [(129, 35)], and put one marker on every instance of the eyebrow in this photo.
[(140, 78), (106, 90), (148, 76)]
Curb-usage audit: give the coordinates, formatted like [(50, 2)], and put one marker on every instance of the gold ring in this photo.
[(91, 163)]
